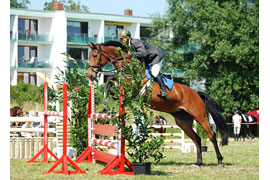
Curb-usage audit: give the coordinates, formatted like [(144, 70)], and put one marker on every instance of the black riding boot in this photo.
[(163, 94)]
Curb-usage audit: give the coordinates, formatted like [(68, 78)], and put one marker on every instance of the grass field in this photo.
[(241, 160)]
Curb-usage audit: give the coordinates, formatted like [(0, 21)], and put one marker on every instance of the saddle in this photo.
[(168, 82)]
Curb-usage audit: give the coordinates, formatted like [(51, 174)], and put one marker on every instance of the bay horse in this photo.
[(16, 111), (159, 120), (184, 104)]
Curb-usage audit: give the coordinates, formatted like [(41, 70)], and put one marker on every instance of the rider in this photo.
[(148, 53)]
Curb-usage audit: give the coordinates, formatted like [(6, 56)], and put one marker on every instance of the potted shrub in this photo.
[(140, 147)]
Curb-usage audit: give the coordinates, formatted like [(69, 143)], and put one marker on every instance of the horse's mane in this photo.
[(115, 44), (16, 107)]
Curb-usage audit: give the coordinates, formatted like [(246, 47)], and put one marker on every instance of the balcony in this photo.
[(111, 39), (43, 38), (80, 39), (82, 64), (34, 63)]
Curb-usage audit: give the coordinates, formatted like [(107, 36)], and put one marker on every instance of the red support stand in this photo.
[(65, 159), (113, 161), (45, 150)]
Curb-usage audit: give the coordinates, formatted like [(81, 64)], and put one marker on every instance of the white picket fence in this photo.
[(25, 147), (21, 147)]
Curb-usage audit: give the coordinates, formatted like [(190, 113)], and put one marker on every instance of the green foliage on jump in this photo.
[(217, 41), (139, 149), (76, 77)]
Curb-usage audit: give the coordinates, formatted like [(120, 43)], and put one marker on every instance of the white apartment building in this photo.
[(38, 38)]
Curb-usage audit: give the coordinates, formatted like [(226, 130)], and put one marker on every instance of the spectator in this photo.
[(212, 123), (237, 120)]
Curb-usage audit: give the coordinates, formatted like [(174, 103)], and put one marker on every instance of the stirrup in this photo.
[(163, 95)]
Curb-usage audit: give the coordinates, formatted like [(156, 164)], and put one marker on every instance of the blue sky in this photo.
[(140, 7)]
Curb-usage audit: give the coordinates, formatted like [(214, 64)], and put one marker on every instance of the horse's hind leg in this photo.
[(185, 121), (212, 136)]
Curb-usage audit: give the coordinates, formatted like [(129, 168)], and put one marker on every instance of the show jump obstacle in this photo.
[(92, 153), (45, 150), (64, 159)]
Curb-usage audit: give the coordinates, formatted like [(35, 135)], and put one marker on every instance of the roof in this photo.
[(81, 16)]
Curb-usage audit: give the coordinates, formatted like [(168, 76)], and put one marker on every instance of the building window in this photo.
[(29, 26), (27, 78), (111, 32), (77, 27), (145, 33), (25, 53), (79, 54)]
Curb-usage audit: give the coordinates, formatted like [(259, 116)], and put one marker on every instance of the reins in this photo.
[(99, 61)]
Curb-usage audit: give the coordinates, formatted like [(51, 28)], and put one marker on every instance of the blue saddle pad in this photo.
[(168, 82)]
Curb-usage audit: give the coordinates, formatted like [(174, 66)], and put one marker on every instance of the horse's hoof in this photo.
[(221, 165), (195, 165)]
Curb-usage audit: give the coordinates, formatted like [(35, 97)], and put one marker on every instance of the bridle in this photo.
[(98, 66)]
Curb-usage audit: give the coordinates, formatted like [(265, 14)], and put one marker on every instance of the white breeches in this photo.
[(237, 129), (156, 68)]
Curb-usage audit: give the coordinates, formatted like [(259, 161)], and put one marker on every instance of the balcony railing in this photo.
[(81, 39), (36, 64), (34, 37), (80, 62), (108, 67), (111, 39)]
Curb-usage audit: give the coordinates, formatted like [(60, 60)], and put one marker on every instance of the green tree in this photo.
[(69, 5), (217, 41), (19, 3)]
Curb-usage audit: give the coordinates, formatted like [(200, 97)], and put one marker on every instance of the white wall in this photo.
[(59, 29), (44, 26), (96, 28), (93, 27), (13, 23), (134, 30), (13, 77), (13, 53), (44, 51), (13, 50)]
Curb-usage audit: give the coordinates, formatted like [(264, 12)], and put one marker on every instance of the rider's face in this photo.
[(123, 40)]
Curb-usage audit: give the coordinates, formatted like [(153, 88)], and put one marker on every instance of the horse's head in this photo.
[(16, 111), (96, 60), (20, 112), (100, 55)]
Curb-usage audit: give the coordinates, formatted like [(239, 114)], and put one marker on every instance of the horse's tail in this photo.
[(213, 108)]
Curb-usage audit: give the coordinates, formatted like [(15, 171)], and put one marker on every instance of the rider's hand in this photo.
[(129, 54)]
